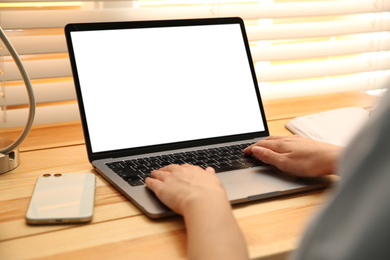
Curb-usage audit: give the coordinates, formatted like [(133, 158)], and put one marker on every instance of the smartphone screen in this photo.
[(62, 198)]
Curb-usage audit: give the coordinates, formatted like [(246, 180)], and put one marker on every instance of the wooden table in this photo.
[(272, 228)]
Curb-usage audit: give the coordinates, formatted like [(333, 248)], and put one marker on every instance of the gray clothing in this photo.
[(355, 223)]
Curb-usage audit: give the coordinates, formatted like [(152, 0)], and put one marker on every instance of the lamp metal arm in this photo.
[(30, 92)]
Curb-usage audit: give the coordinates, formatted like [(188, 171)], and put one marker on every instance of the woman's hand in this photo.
[(184, 186), (297, 155), (199, 196)]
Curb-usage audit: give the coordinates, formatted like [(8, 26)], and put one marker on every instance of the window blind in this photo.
[(299, 47)]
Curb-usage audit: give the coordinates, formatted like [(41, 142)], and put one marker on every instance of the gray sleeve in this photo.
[(354, 224)]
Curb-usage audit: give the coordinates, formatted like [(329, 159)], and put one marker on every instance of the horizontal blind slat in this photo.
[(316, 29), (61, 68), (56, 44), (43, 115), (42, 44), (59, 18), (366, 81), (38, 44), (307, 50), (55, 19), (322, 69), (303, 9), (39, 68), (50, 91)]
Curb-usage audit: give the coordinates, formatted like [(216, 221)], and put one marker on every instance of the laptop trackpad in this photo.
[(259, 183)]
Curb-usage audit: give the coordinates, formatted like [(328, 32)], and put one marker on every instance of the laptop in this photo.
[(152, 93)]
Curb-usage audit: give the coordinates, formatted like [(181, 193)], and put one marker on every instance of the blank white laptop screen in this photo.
[(153, 86)]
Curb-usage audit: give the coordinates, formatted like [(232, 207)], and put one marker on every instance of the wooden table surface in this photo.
[(272, 228)]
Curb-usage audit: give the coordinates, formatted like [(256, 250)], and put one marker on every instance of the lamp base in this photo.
[(8, 161)]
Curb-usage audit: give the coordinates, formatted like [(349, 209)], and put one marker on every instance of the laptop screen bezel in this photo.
[(153, 24)]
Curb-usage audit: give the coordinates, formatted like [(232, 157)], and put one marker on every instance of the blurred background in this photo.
[(300, 47)]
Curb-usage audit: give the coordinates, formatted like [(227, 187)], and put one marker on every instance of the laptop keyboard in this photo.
[(222, 159)]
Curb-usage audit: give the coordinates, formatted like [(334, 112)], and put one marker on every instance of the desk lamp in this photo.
[(9, 156)]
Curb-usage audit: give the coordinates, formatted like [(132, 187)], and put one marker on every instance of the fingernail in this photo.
[(256, 149)]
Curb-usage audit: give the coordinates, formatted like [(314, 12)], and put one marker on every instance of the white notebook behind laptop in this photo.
[(336, 126)]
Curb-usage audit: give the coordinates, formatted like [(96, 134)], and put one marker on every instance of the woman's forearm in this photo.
[(213, 233)]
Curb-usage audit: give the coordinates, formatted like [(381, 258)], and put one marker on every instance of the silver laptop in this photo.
[(152, 93)]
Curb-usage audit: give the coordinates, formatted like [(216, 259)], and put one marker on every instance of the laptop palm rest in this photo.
[(241, 186), (265, 182)]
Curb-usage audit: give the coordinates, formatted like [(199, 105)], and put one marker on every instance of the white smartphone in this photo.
[(62, 198)]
